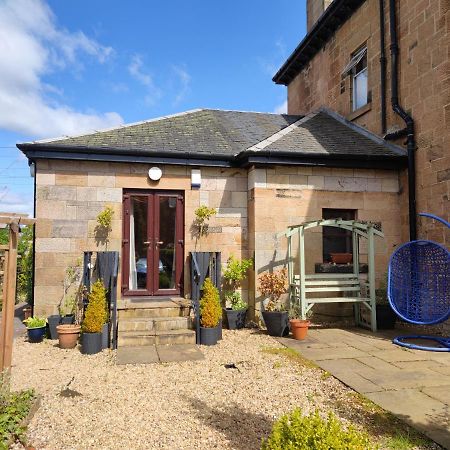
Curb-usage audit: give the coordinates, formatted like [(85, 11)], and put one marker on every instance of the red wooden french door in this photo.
[(152, 246)]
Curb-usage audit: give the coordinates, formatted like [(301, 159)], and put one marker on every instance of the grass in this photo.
[(291, 355)]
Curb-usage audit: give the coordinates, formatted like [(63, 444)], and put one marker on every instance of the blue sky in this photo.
[(71, 66)]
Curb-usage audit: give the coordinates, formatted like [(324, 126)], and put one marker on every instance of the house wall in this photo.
[(424, 91), (71, 194), (252, 207), (285, 196)]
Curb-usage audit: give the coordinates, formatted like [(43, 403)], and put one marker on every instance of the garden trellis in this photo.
[(302, 284)]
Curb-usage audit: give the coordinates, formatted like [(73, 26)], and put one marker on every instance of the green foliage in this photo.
[(234, 299), (96, 314), (67, 306), (297, 432), (210, 309), (4, 236), (202, 215), (14, 407), (35, 322), (104, 226), (236, 270)]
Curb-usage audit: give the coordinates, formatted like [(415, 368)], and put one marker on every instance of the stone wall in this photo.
[(423, 87), (71, 194), (285, 196)]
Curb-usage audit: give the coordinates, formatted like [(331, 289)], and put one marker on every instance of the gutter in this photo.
[(382, 68), (409, 121)]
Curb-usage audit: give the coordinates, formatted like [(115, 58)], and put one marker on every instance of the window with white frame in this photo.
[(357, 69)]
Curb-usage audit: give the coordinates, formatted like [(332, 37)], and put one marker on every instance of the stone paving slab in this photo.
[(151, 354), (412, 384)]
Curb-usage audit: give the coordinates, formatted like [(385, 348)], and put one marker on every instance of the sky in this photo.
[(73, 66)]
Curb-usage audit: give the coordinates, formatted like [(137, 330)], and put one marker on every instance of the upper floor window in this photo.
[(357, 69)]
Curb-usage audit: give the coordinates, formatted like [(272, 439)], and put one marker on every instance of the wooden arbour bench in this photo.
[(335, 288)]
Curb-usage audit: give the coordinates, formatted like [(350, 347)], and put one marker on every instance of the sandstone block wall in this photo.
[(423, 87)]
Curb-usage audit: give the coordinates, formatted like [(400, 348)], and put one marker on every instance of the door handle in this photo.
[(159, 242), (147, 242)]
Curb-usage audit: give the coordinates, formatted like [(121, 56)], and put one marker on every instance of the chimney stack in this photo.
[(314, 10)]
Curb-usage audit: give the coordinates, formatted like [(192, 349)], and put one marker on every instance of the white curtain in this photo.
[(132, 282)]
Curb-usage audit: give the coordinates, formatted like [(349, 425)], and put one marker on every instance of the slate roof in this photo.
[(234, 137)]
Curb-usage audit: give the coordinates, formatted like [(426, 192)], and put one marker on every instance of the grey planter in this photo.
[(53, 321), (105, 336), (235, 318), (91, 343), (210, 336), (277, 322)]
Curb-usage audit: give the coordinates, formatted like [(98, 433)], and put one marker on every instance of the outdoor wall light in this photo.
[(155, 173), (196, 178)]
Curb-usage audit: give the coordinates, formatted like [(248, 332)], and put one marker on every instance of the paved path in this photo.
[(158, 353), (412, 384)]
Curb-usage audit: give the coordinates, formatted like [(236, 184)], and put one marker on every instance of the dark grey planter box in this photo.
[(105, 336), (53, 322), (209, 336), (235, 318), (91, 343), (277, 322)]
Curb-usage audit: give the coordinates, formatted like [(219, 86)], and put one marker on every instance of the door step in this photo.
[(139, 338), (154, 323)]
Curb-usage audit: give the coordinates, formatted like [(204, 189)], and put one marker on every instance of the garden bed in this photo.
[(89, 402)]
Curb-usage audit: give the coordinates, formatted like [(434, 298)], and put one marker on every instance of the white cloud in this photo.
[(13, 202), (137, 71), (184, 80), (31, 46), (281, 109)]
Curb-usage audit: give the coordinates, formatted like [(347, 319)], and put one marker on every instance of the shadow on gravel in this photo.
[(244, 430)]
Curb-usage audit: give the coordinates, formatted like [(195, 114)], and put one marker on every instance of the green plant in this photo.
[(67, 306), (295, 312), (273, 285), (295, 431), (96, 314), (234, 299), (202, 216), (35, 322), (14, 407), (234, 274), (25, 264), (104, 226), (381, 292), (71, 289), (210, 310)]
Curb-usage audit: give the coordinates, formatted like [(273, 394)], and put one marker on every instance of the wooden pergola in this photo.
[(13, 221), (346, 287)]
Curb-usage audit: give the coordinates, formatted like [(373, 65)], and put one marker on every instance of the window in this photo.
[(357, 69), (337, 240)]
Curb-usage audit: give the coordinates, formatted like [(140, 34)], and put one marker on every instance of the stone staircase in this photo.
[(143, 322)]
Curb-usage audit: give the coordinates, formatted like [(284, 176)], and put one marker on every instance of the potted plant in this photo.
[(210, 314), (68, 334), (94, 319), (235, 308), (386, 317), (36, 327), (273, 285), (299, 326)]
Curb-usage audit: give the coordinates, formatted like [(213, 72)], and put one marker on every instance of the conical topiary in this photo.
[(210, 309), (96, 314)]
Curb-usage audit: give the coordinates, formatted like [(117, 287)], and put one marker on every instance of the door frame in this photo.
[(152, 218)]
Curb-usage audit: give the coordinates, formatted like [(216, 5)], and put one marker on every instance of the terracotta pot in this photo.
[(299, 328), (341, 258), (68, 335)]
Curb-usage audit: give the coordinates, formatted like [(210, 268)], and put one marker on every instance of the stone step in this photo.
[(136, 338), (156, 323), (175, 311)]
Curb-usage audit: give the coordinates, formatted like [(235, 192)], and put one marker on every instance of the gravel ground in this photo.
[(175, 406)]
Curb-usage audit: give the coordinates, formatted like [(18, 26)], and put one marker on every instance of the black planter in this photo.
[(105, 336), (53, 322), (91, 343), (209, 336), (235, 318), (219, 330), (277, 322), (36, 334), (386, 317), (68, 320)]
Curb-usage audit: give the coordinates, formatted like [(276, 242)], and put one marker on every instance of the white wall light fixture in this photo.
[(155, 173), (196, 178)]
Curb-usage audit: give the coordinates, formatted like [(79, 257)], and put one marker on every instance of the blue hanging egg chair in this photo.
[(419, 288)]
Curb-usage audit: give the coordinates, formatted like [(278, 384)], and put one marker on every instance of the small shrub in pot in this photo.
[(210, 314), (36, 327)]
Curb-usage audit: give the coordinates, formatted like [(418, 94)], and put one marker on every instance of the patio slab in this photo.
[(412, 384), (151, 354)]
